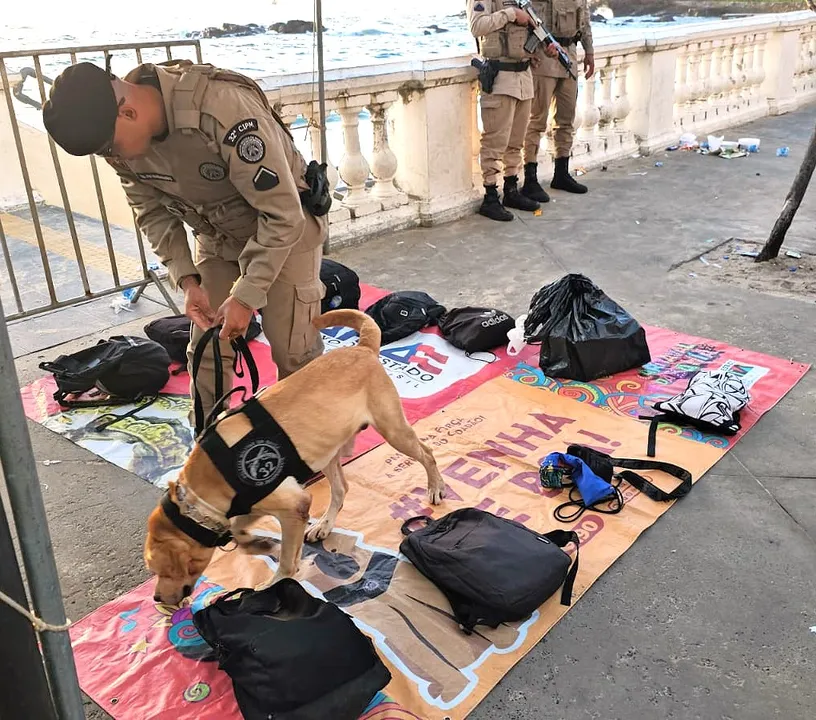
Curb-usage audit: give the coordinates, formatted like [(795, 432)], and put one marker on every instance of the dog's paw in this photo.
[(318, 531), (436, 494)]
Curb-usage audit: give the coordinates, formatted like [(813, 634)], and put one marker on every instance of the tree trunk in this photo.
[(792, 202)]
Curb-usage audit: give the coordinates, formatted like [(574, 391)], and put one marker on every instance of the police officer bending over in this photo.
[(501, 29), (200, 146)]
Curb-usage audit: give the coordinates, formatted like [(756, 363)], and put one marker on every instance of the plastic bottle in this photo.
[(782, 152)]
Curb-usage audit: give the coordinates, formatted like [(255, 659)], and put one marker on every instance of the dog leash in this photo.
[(243, 359)]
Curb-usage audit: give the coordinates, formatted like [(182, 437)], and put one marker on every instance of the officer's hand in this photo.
[(589, 66), (197, 303), (234, 317), (552, 50), (522, 18)]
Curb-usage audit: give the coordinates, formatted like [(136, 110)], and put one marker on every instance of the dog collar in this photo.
[(202, 535)]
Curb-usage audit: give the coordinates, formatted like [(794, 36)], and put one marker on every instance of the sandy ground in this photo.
[(785, 276)]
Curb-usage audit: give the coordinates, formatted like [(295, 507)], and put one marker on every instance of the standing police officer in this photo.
[(501, 29), (568, 21), (200, 146)]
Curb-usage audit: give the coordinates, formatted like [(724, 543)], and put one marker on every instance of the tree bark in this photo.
[(792, 202)]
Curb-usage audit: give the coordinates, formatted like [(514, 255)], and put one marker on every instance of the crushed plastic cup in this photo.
[(515, 337), (129, 294), (714, 143), (750, 144), (688, 140), (782, 152)]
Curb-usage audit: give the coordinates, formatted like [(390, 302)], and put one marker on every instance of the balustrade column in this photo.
[(681, 89), (605, 106), (383, 161), (354, 169), (590, 114)]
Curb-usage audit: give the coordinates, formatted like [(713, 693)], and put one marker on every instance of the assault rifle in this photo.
[(540, 35)]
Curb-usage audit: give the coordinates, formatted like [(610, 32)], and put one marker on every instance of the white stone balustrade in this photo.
[(413, 159)]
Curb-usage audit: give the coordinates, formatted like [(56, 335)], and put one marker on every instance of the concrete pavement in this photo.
[(708, 614)]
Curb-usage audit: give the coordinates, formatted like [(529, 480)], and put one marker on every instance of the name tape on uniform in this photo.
[(237, 131)]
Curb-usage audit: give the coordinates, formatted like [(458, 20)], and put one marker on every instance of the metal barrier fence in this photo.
[(12, 86)]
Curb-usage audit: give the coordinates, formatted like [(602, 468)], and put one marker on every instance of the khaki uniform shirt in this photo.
[(563, 18), (489, 16), (227, 169)]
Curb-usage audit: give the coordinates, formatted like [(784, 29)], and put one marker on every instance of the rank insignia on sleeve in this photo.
[(237, 131), (251, 149), (265, 179)]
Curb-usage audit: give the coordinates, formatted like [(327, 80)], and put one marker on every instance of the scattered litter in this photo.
[(725, 257), (792, 269), (658, 164), (692, 274), (749, 144), (636, 155), (782, 152), (129, 294), (51, 462), (537, 213), (120, 303), (813, 629), (688, 140), (714, 143), (717, 265), (637, 222), (731, 153), (794, 254), (430, 245), (580, 171), (710, 240), (672, 148), (153, 266), (758, 174), (400, 242), (604, 168), (704, 261), (748, 253), (640, 173)]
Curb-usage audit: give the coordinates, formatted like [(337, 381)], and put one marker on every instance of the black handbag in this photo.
[(492, 570)]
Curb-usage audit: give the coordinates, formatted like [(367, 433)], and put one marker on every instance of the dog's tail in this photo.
[(370, 335)]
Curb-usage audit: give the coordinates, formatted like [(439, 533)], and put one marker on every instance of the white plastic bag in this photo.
[(516, 337)]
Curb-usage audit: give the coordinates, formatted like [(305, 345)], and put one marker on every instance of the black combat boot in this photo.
[(562, 179), (532, 188), (514, 199), (491, 207)]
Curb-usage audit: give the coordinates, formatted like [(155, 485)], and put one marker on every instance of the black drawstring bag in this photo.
[(491, 570), (402, 313), (476, 329), (291, 656), (342, 286), (584, 334)]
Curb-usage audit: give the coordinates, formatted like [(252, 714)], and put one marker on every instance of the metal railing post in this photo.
[(21, 665), (23, 486)]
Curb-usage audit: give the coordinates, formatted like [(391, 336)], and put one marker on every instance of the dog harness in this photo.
[(256, 465)]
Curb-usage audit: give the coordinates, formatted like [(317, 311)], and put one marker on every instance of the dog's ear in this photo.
[(171, 486)]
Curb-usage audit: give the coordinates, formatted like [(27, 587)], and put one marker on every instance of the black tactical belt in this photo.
[(520, 66)]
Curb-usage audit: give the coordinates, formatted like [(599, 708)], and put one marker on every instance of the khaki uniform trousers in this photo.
[(504, 122), (292, 303), (562, 93)]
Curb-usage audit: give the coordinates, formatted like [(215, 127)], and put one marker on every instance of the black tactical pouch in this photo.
[(318, 198)]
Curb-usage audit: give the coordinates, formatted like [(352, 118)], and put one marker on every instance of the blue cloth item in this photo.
[(593, 488)]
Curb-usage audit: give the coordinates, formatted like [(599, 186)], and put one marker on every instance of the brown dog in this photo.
[(321, 408)]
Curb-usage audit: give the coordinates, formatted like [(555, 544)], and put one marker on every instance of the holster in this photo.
[(487, 73)]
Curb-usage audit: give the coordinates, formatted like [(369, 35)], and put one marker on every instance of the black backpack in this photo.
[(402, 313), (475, 329), (126, 368), (342, 287), (492, 570), (173, 334), (291, 656)]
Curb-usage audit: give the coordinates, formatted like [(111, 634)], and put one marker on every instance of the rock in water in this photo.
[(294, 27), (230, 30), (430, 29)]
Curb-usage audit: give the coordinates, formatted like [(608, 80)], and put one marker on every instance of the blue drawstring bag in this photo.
[(586, 490)]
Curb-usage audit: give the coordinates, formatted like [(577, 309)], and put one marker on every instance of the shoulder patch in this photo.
[(265, 179), (251, 149), (212, 171), (237, 131), (161, 177), (478, 7)]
